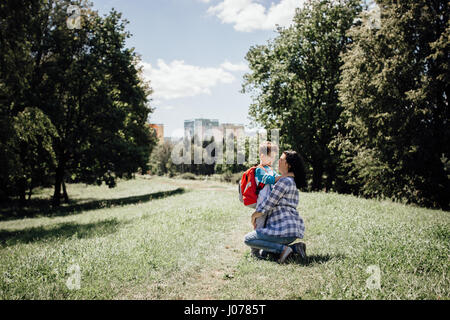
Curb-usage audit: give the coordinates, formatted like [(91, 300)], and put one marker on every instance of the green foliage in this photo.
[(234, 178), (201, 159), (31, 151), (35, 134), (188, 176), (446, 162), (394, 91), (85, 81), (293, 81), (160, 162)]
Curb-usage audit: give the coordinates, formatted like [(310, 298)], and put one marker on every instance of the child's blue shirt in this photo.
[(268, 177)]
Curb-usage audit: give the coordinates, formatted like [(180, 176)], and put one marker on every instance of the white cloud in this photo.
[(246, 15), (155, 102), (178, 79), (234, 67)]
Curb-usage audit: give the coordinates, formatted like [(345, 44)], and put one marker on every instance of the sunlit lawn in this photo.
[(161, 238)]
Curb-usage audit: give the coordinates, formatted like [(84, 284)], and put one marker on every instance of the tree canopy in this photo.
[(85, 83), (362, 92), (293, 81), (394, 92)]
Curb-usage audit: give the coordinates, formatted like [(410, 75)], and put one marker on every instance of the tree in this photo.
[(293, 81), (160, 162), (394, 91), (102, 120), (34, 134), (25, 152), (85, 81)]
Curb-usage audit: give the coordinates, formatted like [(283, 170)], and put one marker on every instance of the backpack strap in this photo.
[(261, 166), (258, 188)]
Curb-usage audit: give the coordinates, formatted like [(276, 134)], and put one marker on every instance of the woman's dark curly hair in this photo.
[(297, 167)]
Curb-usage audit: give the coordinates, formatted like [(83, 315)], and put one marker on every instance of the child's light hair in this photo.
[(268, 148)]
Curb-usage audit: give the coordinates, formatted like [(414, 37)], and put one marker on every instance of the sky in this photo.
[(193, 53)]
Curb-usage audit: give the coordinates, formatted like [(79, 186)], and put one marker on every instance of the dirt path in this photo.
[(202, 282), (208, 283)]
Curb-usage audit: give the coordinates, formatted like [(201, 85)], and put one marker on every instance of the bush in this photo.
[(188, 176), (231, 177), (236, 177), (171, 174), (227, 176)]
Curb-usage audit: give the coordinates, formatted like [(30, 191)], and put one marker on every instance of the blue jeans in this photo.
[(274, 244)]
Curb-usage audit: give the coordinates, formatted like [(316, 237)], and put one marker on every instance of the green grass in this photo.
[(162, 238)]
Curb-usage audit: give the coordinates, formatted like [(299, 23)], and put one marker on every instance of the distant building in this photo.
[(159, 129), (205, 128), (169, 139), (238, 130)]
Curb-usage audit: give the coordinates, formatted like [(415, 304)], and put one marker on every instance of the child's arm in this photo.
[(290, 174), (262, 176)]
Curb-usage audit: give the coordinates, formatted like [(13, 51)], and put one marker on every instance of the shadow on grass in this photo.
[(59, 232), (43, 207), (309, 261), (314, 259)]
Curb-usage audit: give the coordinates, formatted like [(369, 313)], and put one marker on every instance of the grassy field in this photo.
[(161, 238)]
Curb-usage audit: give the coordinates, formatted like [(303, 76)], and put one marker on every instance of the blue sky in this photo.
[(193, 52)]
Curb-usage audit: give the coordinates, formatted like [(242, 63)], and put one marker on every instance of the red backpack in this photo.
[(248, 190)]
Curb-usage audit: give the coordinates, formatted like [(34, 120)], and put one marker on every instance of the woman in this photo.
[(284, 225)]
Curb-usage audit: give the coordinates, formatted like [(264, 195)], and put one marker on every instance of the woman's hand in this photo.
[(255, 215)]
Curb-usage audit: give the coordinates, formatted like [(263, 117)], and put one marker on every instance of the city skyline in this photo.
[(234, 128)]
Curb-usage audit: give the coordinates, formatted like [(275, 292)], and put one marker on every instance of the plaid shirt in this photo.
[(280, 207)]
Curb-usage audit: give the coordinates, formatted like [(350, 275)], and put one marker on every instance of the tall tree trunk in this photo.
[(59, 178), (57, 192), (66, 197), (30, 190)]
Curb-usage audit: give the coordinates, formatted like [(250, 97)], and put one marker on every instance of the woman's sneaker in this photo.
[(255, 252), (300, 248), (283, 256)]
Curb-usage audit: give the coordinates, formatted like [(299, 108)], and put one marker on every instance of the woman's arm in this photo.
[(262, 176), (274, 197)]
